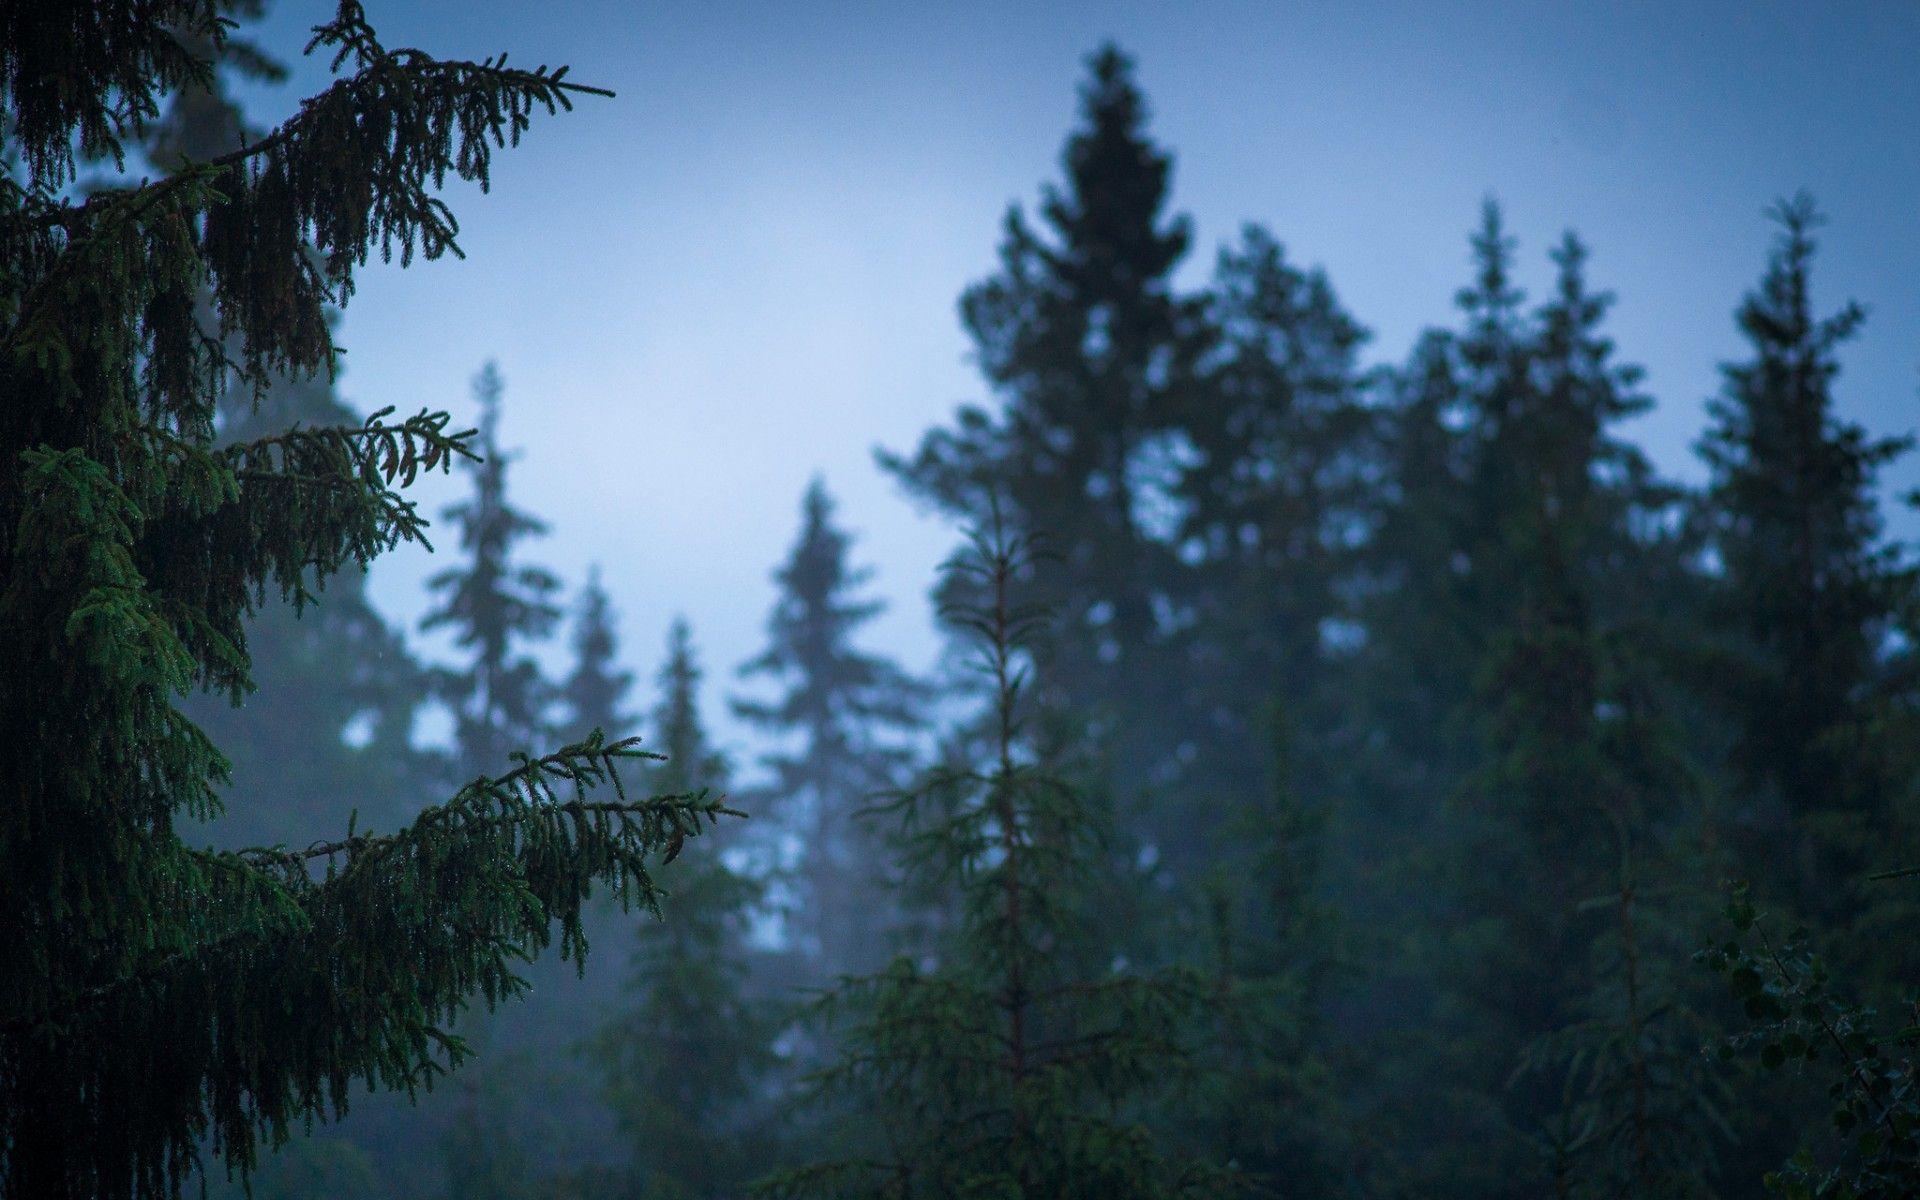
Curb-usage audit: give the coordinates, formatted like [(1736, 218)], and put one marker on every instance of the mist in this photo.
[(1049, 601)]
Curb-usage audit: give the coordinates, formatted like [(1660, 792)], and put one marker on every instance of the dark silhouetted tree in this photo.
[(494, 606), (595, 692), (1812, 590), (164, 1003), (1094, 356), (848, 711), (685, 1063), (1275, 502)]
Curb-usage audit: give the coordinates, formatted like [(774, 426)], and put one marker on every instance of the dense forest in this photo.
[(1345, 778)]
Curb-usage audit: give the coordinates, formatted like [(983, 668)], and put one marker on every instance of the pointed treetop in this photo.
[(831, 686), (692, 762), (595, 692), (1493, 301), (1118, 182), (1779, 313), (1570, 330)]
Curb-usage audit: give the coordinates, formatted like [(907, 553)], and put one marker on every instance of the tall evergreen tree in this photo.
[(1094, 355), (595, 692), (685, 1062), (164, 1002), (494, 606), (1005, 1068), (1530, 667), (1276, 498), (1813, 590), (849, 710)]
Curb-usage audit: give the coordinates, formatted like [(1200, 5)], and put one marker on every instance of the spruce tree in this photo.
[(1004, 1063), (685, 1061), (328, 725), (849, 711), (1547, 512), (165, 1002), (1513, 567), (494, 606), (595, 692), (1812, 590), (1275, 495), (1274, 499), (1094, 355)]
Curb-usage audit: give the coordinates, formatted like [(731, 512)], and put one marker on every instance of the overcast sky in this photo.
[(743, 270)]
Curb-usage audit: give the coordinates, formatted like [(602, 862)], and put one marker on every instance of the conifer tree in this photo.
[(1094, 356), (1517, 609), (1812, 589), (595, 691), (1274, 499), (1415, 666), (684, 1064), (850, 710), (1548, 512), (1274, 494), (494, 605), (164, 1002), (335, 689), (1577, 777), (1003, 1065)]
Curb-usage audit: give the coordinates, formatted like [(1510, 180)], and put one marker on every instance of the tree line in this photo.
[(1348, 778)]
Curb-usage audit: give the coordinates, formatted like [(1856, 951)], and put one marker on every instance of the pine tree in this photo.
[(684, 1064), (494, 606), (1095, 357), (849, 710), (1812, 590), (164, 1002), (1006, 1067), (596, 690), (691, 763)]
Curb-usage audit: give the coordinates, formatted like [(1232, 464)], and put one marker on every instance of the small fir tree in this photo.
[(1000, 1065)]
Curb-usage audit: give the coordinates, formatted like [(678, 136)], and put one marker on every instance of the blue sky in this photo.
[(742, 271)]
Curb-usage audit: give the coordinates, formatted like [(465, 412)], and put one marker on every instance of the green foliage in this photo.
[(1642, 1111), (1002, 1064), (164, 1001), (1798, 1018)]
